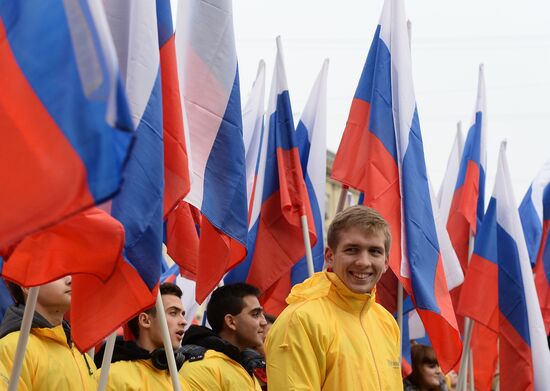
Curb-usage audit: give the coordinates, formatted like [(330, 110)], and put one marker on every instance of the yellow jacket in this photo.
[(330, 338), (218, 372), (50, 363), (139, 375)]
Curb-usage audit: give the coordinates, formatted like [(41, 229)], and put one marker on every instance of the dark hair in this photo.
[(420, 355), (166, 288), (228, 299), (361, 217), (270, 318), (16, 292)]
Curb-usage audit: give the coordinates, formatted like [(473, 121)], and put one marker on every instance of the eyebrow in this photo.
[(257, 309)]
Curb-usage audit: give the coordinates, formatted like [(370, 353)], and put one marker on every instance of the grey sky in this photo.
[(449, 40)]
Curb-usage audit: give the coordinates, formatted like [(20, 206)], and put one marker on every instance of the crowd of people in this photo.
[(333, 335)]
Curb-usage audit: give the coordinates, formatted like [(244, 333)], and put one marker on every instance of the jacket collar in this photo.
[(345, 298)]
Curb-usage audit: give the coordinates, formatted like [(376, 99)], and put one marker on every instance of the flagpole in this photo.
[(468, 327), (342, 199), (167, 343), (471, 370), (106, 362), (400, 315), (307, 244), (24, 332)]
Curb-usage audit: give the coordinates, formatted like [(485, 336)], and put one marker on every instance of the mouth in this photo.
[(361, 276), (180, 333)]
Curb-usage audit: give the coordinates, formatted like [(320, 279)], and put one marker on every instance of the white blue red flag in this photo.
[(531, 212), (447, 188), (523, 349), (468, 202), (534, 212), (381, 154), (207, 63), (311, 141), (278, 243), (65, 116), (139, 205)]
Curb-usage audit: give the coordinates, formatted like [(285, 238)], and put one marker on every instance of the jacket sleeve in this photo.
[(296, 357), (8, 345)]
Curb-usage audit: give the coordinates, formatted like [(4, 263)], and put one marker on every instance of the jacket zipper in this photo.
[(370, 345)]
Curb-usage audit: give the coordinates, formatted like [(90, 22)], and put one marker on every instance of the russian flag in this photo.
[(531, 212), (447, 188), (65, 116), (542, 268), (207, 63), (253, 130), (279, 242), (468, 202), (312, 146), (255, 144), (139, 205), (176, 167), (524, 354), (383, 134)]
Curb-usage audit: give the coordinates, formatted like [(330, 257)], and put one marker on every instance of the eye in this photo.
[(350, 250)]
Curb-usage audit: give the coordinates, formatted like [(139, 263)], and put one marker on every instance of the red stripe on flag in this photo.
[(541, 280), (274, 299), (280, 244), (364, 163), (479, 297), (516, 365), (33, 152), (218, 253), (176, 169), (485, 356), (182, 238)]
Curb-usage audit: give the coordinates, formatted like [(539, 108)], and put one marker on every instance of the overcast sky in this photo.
[(449, 40)]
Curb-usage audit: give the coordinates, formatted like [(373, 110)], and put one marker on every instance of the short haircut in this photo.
[(166, 288), (16, 292), (228, 299), (420, 355), (270, 319), (361, 217)]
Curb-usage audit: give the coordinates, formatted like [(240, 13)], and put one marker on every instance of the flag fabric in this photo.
[(89, 247), (312, 145), (207, 64), (139, 205), (468, 202), (542, 268), (524, 354), (531, 212), (176, 167), (253, 130), (383, 137), (68, 128), (447, 188), (255, 143), (279, 243)]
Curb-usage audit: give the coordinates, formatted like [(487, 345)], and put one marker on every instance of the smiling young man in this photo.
[(134, 366), (238, 324), (333, 335)]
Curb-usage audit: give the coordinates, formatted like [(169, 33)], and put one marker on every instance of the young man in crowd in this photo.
[(142, 364), (238, 323), (333, 335), (51, 361)]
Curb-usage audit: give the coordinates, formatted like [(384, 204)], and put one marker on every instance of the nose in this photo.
[(68, 280), (364, 258), (183, 321), (263, 322)]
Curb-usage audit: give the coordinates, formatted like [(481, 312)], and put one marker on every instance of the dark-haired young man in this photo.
[(333, 335), (51, 362), (141, 364), (238, 323)]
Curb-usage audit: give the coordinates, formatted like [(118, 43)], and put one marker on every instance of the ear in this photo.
[(329, 257), (230, 322), (25, 292), (144, 320)]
